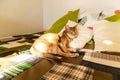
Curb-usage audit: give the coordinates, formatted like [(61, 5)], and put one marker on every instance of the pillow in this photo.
[(107, 36), (82, 20), (85, 35), (60, 23), (114, 18), (90, 18), (117, 11)]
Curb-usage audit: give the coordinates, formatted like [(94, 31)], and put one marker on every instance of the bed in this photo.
[(96, 37)]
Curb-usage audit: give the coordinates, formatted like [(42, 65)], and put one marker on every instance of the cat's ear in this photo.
[(67, 27), (76, 27)]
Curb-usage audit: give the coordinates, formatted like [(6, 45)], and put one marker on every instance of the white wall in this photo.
[(20, 16), (28, 16), (54, 9)]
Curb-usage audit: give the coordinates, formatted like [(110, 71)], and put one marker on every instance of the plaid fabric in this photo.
[(67, 71), (9, 73)]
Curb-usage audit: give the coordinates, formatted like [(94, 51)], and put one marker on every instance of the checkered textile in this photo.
[(9, 73), (67, 71)]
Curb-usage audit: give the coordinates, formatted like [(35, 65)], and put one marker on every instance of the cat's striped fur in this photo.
[(53, 45)]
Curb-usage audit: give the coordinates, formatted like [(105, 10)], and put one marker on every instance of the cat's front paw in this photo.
[(72, 50), (75, 55)]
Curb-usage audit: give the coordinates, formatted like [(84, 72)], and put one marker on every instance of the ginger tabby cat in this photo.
[(53, 45)]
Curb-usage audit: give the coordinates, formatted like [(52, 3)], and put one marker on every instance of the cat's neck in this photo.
[(64, 36)]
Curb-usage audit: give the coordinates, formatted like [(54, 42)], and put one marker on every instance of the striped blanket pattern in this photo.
[(9, 73), (102, 58), (67, 71)]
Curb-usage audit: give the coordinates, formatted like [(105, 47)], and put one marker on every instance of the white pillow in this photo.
[(107, 36), (85, 34), (94, 17)]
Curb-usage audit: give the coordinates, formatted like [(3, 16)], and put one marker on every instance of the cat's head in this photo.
[(72, 32)]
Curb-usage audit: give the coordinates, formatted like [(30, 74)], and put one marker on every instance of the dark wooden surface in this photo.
[(43, 66)]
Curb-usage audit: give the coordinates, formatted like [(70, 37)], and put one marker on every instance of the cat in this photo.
[(55, 46)]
